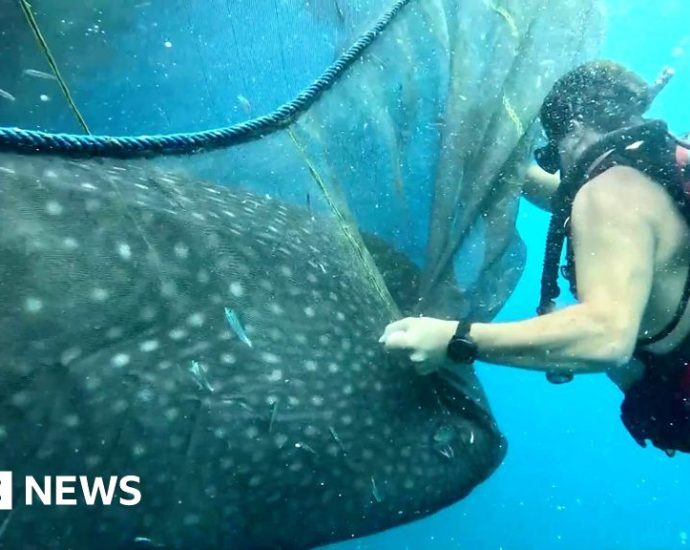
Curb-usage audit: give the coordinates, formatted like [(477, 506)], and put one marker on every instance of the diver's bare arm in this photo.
[(539, 187), (614, 252)]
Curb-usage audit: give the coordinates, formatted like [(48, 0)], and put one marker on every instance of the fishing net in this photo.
[(209, 321)]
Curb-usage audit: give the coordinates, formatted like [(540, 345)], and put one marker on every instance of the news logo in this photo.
[(72, 490)]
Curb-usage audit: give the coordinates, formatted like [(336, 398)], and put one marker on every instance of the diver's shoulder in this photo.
[(623, 189)]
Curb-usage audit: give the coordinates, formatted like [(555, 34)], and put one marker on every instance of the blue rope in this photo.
[(31, 141)]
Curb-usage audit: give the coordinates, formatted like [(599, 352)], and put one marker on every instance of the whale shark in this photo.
[(221, 346)]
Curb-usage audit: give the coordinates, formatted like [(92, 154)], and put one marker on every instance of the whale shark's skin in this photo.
[(287, 427)]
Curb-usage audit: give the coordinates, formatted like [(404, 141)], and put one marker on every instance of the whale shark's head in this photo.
[(222, 347)]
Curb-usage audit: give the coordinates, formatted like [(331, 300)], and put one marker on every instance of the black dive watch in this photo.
[(461, 348)]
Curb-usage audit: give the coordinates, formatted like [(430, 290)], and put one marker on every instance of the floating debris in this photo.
[(236, 326), (331, 429), (244, 102), (274, 411), (39, 74), (44, 98), (306, 447), (443, 437), (375, 490), (7, 95), (198, 372)]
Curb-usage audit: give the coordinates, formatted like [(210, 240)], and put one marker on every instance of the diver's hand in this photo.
[(425, 338)]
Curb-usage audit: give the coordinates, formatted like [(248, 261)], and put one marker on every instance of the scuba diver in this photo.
[(616, 185)]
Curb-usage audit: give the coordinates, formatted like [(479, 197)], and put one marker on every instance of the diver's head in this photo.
[(592, 100)]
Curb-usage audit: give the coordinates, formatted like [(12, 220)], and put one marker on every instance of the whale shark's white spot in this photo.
[(177, 334), (270, 358), (203, 277), (148, 313), (228, 359), (71, 420), (69, 355), (70, 243), (324, 340), (285, 271), (310, 365), (296, 466), (275, 376), (317, 400), (119, 406), (276, 309), (33, 305), (113, 333), (293, 401), (312, 278), (164, 365), (333, 368), (196, 320), (92, 461), (333, 449), (346, 420), (171, 414), (220, 433), (99, 294), (124, 251), (255, 481), (120, 360), (138, 450), (149, 346), (311, 431), (236, 289), (21, 398), (309, 311), (54, 208), (280, 440), (181, 251), (92, 383), (252, 432), (300, 338), (92, 205), (168, 289), (191, 519), (348, 389)]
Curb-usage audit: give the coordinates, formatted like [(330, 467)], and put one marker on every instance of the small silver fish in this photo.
[(198, 373), (236, 326), (274, 412), (244, 102), (375, 490), (39, 74), (7, 95)]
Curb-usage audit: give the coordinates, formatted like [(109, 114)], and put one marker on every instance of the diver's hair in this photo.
[(602, 94)]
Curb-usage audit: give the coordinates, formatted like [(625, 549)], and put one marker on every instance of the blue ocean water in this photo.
[(573, 478)]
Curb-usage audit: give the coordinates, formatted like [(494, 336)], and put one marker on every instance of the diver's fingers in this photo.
[(397, 340), (401, 325)]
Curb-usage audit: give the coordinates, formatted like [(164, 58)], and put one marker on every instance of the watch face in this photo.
[(461, 350)]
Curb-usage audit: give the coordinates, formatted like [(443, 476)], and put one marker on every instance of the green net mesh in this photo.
[(209, 323)]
